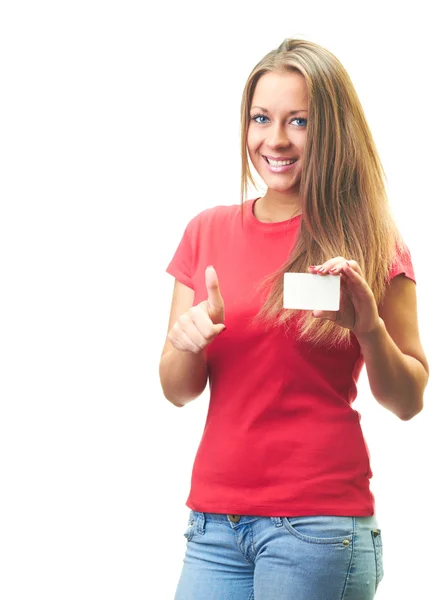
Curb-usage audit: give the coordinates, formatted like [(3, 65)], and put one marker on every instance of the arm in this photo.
[(396, 364), (183, 375)]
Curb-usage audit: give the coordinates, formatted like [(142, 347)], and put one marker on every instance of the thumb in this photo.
[(215, 299)]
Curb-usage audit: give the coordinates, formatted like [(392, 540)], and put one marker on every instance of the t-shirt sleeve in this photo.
[(182, 263), (402, 264)]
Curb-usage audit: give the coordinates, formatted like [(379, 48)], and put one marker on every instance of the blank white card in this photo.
[(306, 291)]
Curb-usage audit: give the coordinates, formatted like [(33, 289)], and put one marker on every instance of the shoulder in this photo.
[(221, 211), (213, 216), (402, 264)]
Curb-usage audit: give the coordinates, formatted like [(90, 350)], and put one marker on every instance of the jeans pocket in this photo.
[(378, 546), (321, 529), (189, 532)]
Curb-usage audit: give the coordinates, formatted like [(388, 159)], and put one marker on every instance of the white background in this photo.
[(119, 123)]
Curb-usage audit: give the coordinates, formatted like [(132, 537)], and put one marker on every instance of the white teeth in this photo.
[(280, 163)]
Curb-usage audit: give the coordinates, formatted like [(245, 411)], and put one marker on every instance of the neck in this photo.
[(272, 209)]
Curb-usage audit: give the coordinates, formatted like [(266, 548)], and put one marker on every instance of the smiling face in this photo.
[(277, 130)]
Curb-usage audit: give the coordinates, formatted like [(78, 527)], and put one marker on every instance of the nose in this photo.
[(278, 137)]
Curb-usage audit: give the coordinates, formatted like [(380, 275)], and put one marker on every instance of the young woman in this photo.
[(281, 506)]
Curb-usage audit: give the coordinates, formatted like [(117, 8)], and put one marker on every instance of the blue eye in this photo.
[(255, 117)]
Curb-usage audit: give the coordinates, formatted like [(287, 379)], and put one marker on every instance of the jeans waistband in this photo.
[(230, 519)]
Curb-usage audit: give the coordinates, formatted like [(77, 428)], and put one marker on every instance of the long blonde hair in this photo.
[(345, 210)]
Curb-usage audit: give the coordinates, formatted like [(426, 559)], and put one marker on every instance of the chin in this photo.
[(282, 189)]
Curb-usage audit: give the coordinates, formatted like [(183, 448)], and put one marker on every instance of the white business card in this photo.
[(306, 291)]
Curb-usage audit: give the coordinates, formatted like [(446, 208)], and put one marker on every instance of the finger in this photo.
[(335, 266), (351, 284), (355, 267), (345, 267), (205, 326), (181, 341), (189, 333), (354, 282), (318, 269), (325, 267), (352, 273), (214, 295)]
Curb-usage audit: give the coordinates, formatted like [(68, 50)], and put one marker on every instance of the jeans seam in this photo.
[(354, 533), (253, 545), (376, 540)]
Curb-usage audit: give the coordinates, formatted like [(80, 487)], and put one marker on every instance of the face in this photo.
[(277, 129)]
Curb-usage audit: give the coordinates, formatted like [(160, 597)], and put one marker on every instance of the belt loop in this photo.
[(277, 521), (200, 523)]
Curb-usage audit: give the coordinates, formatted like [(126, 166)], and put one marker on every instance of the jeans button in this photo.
[(234, 518)]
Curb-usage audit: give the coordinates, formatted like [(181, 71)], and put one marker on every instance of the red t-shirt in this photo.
[(281, 437)]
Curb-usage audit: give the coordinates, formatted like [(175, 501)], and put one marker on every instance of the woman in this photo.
[(281, 506)]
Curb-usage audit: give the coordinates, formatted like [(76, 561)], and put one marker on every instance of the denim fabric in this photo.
[(233, 557)]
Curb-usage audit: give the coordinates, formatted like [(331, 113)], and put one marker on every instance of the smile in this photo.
[(280, 163), (280, 166)]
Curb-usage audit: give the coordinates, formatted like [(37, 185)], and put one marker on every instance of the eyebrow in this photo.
[(291, 112)]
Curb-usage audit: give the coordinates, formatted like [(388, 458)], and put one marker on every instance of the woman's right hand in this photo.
[(198, 327)]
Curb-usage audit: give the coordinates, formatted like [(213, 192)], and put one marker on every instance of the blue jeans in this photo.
[(234, 557)]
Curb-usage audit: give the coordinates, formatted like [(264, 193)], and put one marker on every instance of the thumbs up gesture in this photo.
[(198, 327)]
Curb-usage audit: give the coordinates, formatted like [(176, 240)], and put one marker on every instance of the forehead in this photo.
[(277, 91)]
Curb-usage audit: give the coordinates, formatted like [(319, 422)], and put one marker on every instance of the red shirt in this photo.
[(281, 437)]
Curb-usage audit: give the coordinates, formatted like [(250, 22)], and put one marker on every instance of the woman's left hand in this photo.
[(358, 310)]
